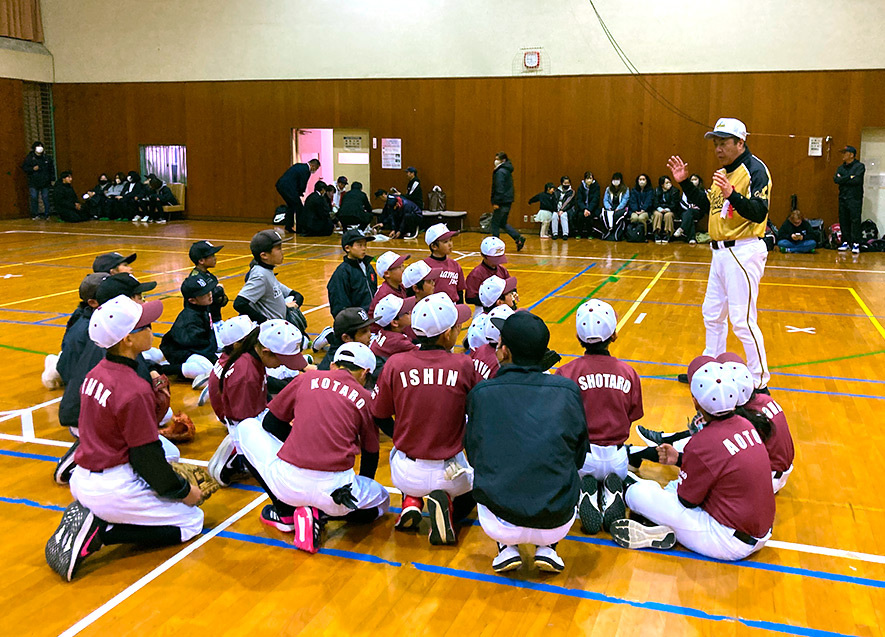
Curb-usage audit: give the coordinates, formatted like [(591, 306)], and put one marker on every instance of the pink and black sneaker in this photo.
[(76, 538), (308, 529), (410, 517), (271, 517)]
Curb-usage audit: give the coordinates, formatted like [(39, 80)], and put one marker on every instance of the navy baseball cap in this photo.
[(202, 250), (849, 149), (354, 235), (109, 261), (123, 283), (195, 286), (525, 335)]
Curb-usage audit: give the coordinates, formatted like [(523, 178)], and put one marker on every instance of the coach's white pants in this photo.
[(779, 483), (305, 487), (560, 219), (732, 293), (120, 496), (695, 529), (601, 461), (505, 533), (418, 478), (196, 365)]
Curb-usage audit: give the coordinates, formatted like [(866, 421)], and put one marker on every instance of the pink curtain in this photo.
[(21, 19), (169, 163)]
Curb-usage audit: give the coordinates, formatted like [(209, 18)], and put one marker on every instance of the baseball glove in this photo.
[(198, 477), (162, 395), (179, 429)]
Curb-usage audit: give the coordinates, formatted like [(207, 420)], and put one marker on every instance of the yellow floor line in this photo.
[(642, 296), (866, 310)]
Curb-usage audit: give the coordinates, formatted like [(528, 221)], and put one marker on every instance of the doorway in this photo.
[(341, 151), (872, 154)]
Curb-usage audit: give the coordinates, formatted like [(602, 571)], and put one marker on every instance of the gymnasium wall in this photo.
[(13, 148), (175, 40), (238, 133)]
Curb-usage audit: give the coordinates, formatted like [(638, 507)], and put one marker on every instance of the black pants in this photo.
[(849, 220), (690, 218), (499, 222), (581, 225), (294, 208)]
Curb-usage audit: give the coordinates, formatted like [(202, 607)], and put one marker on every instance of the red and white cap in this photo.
[(494, 288), (234, 329), (715, 389), (388, 261), (417, 272), (697, 363), (438, 232), (357, 354), (392, 307), (476, 333), (741, 374), (492, 248), (116, 318), (728, 127), (283, 339), (436, 313), (595, 321), (493, 333)]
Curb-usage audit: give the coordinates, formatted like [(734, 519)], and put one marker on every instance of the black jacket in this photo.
[(355, 207), (588, 197), (548, 202), (850, 180), (219, 296), (787, 228), (293, 182), (349, 287), (191, 333), (641, 199), (65, 199), (316, 219), (42, 177), (416, 196), (502, 184), (565, 199), (402, 215), (670, 199), (526, 437)]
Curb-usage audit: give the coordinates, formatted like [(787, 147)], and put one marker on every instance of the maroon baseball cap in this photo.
[(697, 363), (730, 357)]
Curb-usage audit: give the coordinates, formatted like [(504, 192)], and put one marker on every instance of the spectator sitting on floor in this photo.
[(795, 234), (355, 209), (67, 204), (190, 344), (317, 216)]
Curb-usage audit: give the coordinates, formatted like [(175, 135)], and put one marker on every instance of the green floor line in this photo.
[(611, 279), (22, 349), (818, 362)]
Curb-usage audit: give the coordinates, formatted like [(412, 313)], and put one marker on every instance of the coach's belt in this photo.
[(717, 245), (746, 538)]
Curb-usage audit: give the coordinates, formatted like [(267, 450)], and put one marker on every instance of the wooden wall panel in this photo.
[(238, 133), (13, 148)]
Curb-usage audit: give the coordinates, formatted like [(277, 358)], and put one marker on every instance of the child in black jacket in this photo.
[(190, 344), (548, 201)]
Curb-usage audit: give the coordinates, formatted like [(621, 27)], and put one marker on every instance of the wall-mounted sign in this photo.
[(391, 153)]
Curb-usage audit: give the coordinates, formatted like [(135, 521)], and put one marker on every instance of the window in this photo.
[(169, 163)]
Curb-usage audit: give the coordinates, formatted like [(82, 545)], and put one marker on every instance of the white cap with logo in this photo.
[(728, 127), (357, 354), (493, 334), (715, 389), (283, 339), (116, 318), (392, 307), (494, 288), (234, 329), (387, 261), (492, 248), (595, 321), (438, 232), (416, 272), (436, 313)]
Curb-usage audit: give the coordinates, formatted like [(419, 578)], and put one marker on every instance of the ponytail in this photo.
[(760, 421), (247, 344)]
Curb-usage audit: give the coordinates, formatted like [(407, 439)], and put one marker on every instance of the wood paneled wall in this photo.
[(238, 134), (13, 148)]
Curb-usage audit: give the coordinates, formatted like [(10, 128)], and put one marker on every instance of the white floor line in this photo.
[(48, 442), (314, 309), (116, 600), (640, 318)]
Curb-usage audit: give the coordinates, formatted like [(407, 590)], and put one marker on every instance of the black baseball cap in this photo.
[(123, 283), (412, 169), (525, 335), (201, 250), (849, 149), (351, 319), (354, 235), (264, 241), (196, 285), (109, 261), (342, 180), (90, 284)]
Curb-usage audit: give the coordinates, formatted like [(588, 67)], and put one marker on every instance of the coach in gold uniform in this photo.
[(738, 206)]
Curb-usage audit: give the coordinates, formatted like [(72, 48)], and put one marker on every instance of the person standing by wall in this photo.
[(291, 186), (40, 170), (849, 176), (502, 199), (414, 192)]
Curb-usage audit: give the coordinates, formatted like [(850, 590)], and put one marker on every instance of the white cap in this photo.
[(116, 318), (436, 313), (743, 379), (595, 321), (494, 288), (415, 273), (283, 339), (392, 307), (493, 249), (234, 329), (715, 389), (476, 333), (387, 261), (728, 127), (438, 232), (356, 353), (493, 334)]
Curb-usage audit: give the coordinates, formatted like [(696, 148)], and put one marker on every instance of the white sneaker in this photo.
[(321, 342), (630, 534), (507, 559), (136, 219), (678, 233), (844, 247), (161, 221), (50, 376), (204, 397), (548, 560), (201, 380), (855, 249), (692, 242)]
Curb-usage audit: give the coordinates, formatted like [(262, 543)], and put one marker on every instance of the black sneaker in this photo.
[(520, 244), (76, 537), (439, 506), (611, 500), (763, 390), (683, 378), (65, 466), (631, 534), (649, 436), (235, 470), (588, 506)]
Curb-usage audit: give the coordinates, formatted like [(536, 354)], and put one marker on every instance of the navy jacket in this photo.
[(42, 177), (671, 199), (191, 333), (349, 287), (293, 182), (526, 437), (642, 199), (588, 197), (502, 184), (850, 180)]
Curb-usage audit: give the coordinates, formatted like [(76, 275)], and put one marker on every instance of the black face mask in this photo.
[(102, 181)]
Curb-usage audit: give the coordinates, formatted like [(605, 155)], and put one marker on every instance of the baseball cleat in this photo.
[(308, 529), (225, 454), (649, 436), (507, 559), (682, 378), (66, 465), (843, 247), (271, 517), (321, 342), (611, 500), (201, 380), (75, 538), (548, 560), (439, 506), (410, 517), (50, 377), (631, 534), (588, 506), (204, 397)]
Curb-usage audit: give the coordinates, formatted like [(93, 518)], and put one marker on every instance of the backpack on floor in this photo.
[(770, 237), (279, 215), (635, 233), (834, 237), (817, 231), (485, 222), (868, 230), (875, 245)]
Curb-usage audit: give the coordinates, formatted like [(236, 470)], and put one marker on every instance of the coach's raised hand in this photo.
[(678, 168)]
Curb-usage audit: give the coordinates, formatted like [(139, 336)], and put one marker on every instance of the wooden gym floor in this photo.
[(822, 574)]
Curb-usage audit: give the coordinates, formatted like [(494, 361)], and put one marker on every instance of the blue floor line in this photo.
[(549, 294)]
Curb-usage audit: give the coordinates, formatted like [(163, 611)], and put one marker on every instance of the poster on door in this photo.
[(391, 152)]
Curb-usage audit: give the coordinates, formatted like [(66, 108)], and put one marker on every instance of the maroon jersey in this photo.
[(780, 444), (383, 290), (451, 277), (485, 361), (245, 389), (611, 393), (476, 277), (331, 420), (116, 414), (386, 343), (726, 471), (427, 391)]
